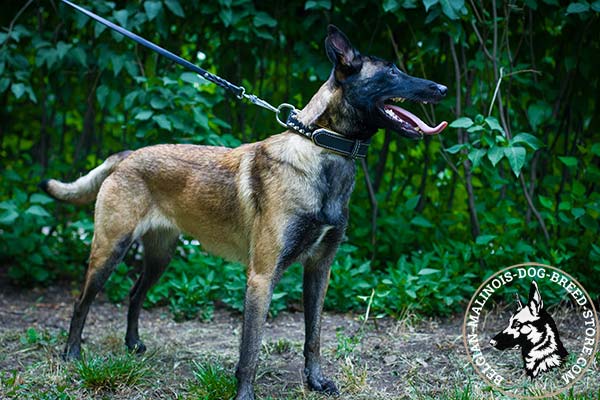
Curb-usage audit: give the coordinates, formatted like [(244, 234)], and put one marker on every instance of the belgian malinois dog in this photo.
[(266, 204), (534, 331)]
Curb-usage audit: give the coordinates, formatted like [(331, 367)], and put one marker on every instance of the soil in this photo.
[(386, 359)]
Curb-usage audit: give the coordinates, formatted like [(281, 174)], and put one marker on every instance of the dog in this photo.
[(266, 204), (534, 331)]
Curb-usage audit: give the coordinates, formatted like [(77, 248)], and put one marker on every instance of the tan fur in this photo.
[(207, 192)]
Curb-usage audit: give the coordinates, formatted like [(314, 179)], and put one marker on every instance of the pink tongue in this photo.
[(416, 121)]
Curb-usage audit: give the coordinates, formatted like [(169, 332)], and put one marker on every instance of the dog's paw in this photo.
[(245, 394), (323, 385), (71, 354), (137, 347)]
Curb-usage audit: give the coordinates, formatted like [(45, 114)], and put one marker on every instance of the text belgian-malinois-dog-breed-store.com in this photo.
[(266, 204)]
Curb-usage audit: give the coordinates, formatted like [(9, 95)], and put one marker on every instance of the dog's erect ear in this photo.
[(345, 58), (535, 299), (518, 301)]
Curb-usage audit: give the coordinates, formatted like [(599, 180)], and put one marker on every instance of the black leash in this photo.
[(320, 136)]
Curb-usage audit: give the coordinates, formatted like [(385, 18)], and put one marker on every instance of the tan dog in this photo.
[(266, 204)]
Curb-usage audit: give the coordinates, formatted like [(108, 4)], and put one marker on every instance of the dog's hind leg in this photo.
[(106, 253), (159, 245), (116, 216), (316, 280)]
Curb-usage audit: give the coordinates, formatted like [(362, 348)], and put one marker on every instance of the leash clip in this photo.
[(280, 109)]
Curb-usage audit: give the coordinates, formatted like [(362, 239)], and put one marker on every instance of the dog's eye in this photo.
[(393, 71), (516, 325)]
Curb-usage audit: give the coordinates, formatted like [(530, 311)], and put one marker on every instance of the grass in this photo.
[(211, 382), (395, 361), (113, 372)]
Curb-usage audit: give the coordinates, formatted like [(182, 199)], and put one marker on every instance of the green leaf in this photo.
[(528, 139), (390, 5), (98, 29), (117, 64), (18, 89), (421, 221), (121, 17), (495, 154), (546, 202), (4, 84), (429, 3), (7, 217), (152, 9), (144, 115), (40, 198), (577, 212), (37, 211), (130, 98), (262, 18), (163, 121), (158, 103), (596, 6), (317, 4), (570, 162), (62, 48), (226, 16), (538, 113), (576, 8), (596, 149), (456, 148), (476, 155), (494, 124), (452, 8), (101, 94), (589, 222), (190, 77), (79, 55), (428, 271), (462, 122), (411, 203), (516, 158), (484, 239), (175, 7)]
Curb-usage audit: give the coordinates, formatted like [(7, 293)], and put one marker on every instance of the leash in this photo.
[(320, 136)]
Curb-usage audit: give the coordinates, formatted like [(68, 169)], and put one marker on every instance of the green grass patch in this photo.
[(211, 382), (113, 372)]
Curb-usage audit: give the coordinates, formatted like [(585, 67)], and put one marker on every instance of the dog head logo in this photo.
[(533, 330)]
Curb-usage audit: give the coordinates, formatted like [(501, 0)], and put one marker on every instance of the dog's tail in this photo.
[(84, 189)]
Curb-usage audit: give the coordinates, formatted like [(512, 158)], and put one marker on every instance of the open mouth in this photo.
[(408, 123)]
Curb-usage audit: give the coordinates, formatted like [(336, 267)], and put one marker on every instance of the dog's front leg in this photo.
[(316, 279), (259, 290)]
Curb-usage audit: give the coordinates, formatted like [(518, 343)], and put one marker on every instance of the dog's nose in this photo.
[(493, 343), (442, 89)]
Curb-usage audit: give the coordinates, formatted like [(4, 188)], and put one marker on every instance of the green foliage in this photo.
[(514, 178), (112, 372), (212, 382)]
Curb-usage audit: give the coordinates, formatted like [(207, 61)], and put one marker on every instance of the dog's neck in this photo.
[(544, 355), (328, 109)]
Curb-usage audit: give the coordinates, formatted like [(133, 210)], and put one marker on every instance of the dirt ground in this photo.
[(387, 360)]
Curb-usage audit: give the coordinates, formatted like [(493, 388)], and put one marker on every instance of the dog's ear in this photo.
[(518, 302), (345, 58), (535, 299)]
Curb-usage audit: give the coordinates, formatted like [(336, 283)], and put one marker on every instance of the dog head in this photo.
[(368, 87), (526, 326)]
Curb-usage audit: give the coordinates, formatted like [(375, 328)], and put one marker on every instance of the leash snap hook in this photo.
[(280, 109)]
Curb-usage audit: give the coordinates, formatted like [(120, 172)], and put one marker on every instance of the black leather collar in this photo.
[(328, 139)]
